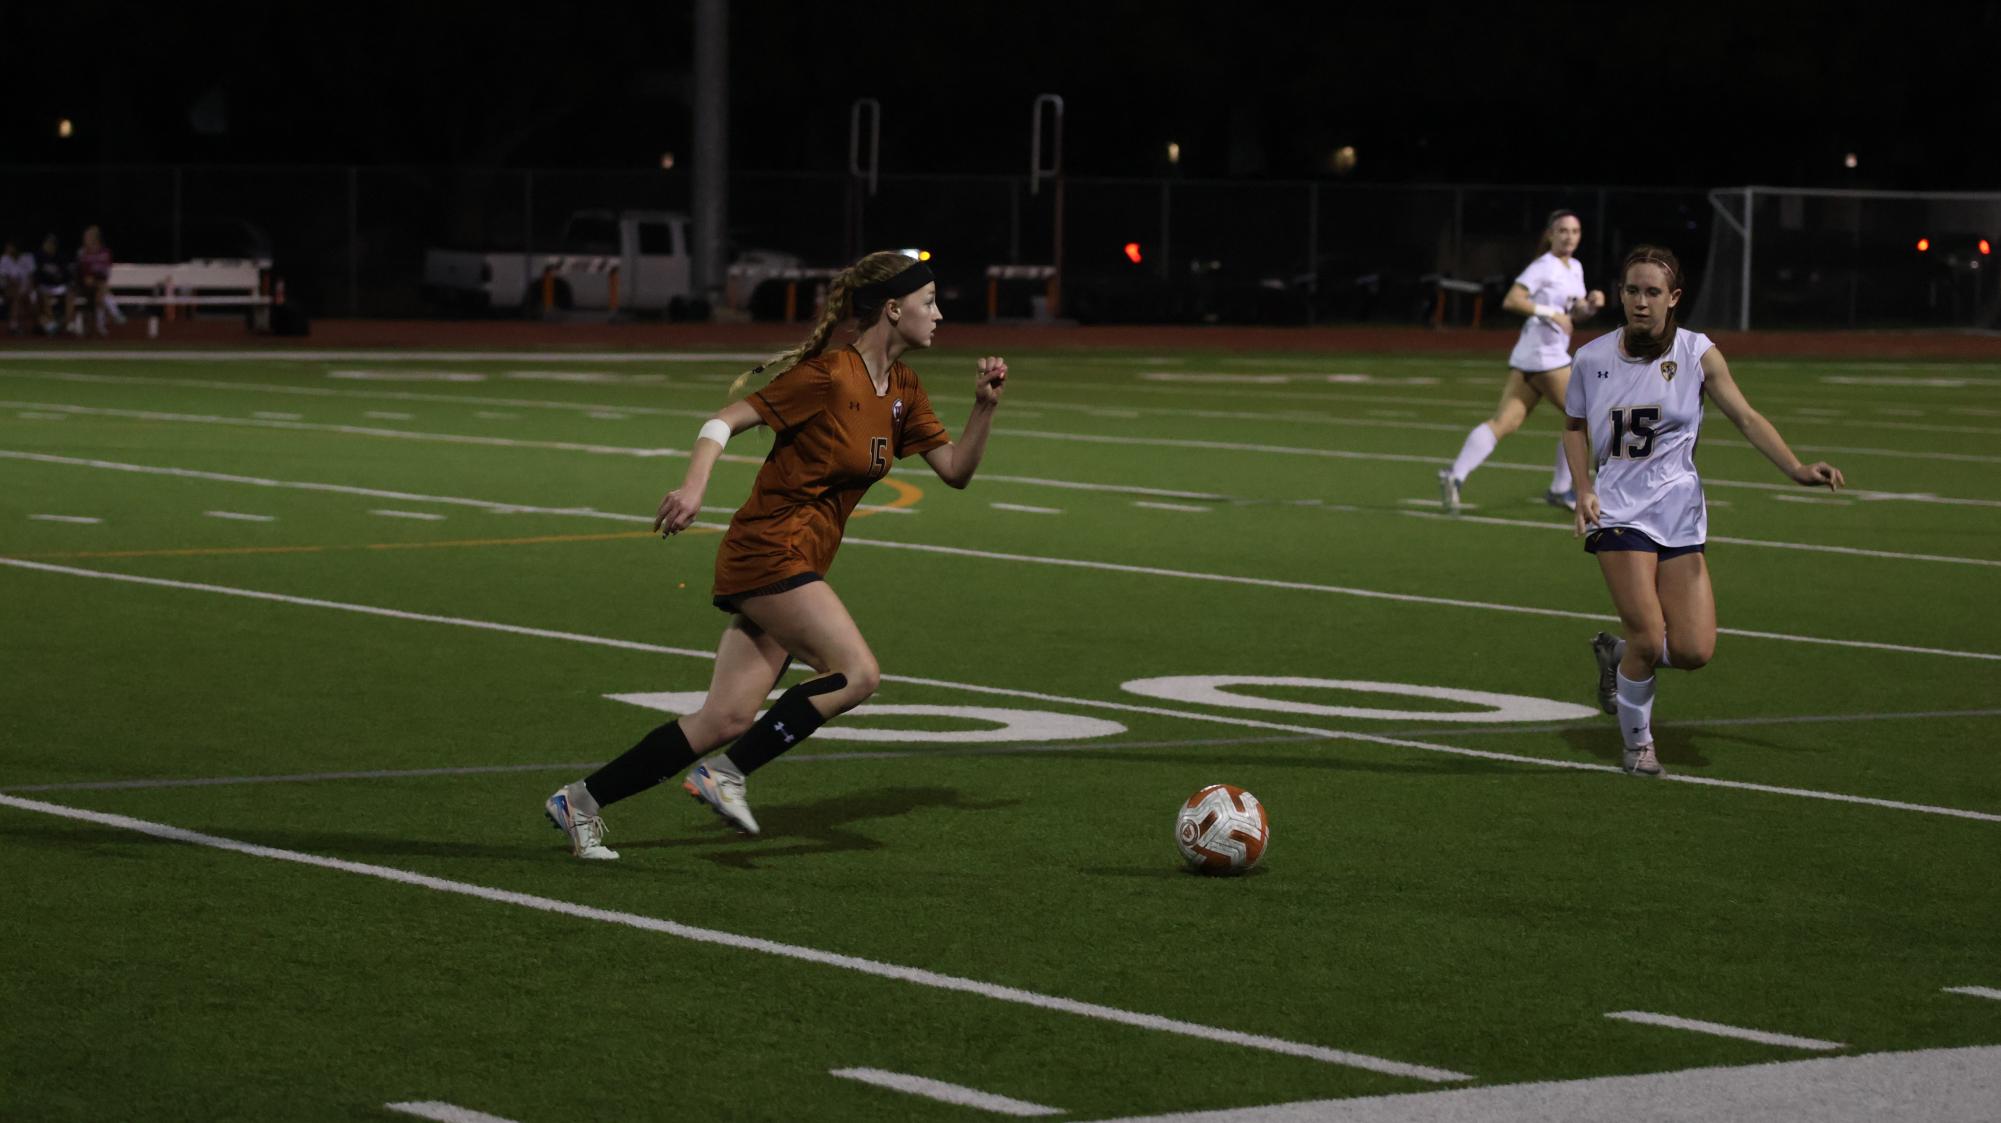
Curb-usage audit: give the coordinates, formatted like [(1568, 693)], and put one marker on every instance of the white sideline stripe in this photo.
[(426, 516), (31, 415), (1933, 1085), (1976, 992), (1376, 594), (1411, 458), (1169, 506), (972, 688), (444, 1112), (1718, 1029), (913, 975), (367, 431), (1417, 502), (945, 1093), (387, 415), (395, 356), (1821, 500), (274, 415), (65, 518), (1025, 509), (239, 516), (1852, 551), (1115, 567), (619, 450)]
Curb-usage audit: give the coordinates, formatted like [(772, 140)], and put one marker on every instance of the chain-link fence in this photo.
[(353, 241)]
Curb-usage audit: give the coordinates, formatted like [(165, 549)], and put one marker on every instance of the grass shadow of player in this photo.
[(1676, 747), (824, 826)]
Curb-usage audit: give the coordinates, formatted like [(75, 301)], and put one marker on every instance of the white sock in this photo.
[(1636, 710), (582, 799), (1479, 443), (1560, 482)]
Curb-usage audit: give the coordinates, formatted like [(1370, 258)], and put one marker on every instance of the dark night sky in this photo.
[(1684, 95)]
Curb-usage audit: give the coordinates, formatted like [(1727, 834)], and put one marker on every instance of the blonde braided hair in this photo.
[(878, 266)]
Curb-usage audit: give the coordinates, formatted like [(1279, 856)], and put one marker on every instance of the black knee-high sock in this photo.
[(658, 755), (789, 721)]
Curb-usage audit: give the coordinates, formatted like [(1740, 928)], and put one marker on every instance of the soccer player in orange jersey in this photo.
[(839, 417)]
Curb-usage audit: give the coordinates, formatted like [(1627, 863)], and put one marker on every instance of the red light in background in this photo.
[(1132, 252), (1985, 248), (1924, 244)]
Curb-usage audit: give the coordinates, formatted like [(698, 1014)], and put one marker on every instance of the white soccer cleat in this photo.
[(1448, 491), (723, 792), (586, 831), (1643, 762), (1605, 649), (1564, 499)]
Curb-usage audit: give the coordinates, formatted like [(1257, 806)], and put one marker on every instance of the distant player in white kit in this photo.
[(1634, 412), (1550, 292)]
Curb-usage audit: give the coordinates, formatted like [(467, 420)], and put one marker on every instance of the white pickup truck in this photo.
[(611, 261)]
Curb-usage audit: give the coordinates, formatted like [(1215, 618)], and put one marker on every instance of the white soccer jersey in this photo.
[(20, 267), (1544, 346), (1643, 419)]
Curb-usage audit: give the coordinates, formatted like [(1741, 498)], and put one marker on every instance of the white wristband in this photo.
[(1545, 311), (715, 429)]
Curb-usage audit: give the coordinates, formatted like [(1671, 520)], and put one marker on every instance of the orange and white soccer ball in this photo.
[(1222, 829)]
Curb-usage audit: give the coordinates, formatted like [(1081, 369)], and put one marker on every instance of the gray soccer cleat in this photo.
[(723, 792), (1564, 499), (1642, 761), (586, 831), (1605, 649), (1448, 491)]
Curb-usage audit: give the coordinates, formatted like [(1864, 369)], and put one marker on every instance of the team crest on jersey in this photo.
[(896, 410), (1667, 370)]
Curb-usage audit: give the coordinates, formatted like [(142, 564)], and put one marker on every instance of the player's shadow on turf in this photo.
[(821, 827), (1674, 746)]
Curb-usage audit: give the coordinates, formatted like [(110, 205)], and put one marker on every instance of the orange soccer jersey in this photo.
[(833, 437)]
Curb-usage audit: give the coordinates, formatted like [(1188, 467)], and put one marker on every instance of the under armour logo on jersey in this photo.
[(1667, 370), (780, 727), (855, 406), (1604, 374)]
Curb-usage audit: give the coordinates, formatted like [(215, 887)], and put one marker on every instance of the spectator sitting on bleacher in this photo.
[(93, 271), (51, 284), (17, 280)]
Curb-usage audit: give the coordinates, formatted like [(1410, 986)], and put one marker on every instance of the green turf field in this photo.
[(295, 649)]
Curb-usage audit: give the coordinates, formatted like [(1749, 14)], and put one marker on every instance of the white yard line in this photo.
[(1151, 442), (1933, 1085), (1025, 509), (65, 519), (1718, 1029), (1075, 563), (938, 1090), (387, 415), (425, 516), (240, 516), (1975, 992), (33, 415), (912, 975), (1853, 551), (444, 1112), (1818, 500), (1170, 506), (276, 415), (1087, 703)]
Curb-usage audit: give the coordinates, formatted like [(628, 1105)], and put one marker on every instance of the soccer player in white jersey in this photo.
[(1550, 292), (1634, 412)]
